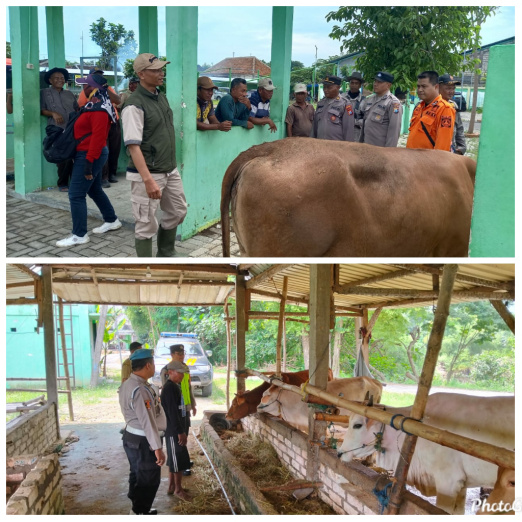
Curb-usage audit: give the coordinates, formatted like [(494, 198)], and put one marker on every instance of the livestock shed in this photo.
[(327, 291)]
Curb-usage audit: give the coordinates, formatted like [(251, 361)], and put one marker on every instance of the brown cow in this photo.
[(501, 499), (245, 403), (303, 197)]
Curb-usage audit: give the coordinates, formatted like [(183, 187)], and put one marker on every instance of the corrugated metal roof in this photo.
[(210, 284)]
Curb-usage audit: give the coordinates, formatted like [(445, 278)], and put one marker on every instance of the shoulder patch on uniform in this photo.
[(396, 107), (148, 405), (349, 109), (445, 121)]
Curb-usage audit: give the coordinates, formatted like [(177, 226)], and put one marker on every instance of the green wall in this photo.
[(493, 221), (9, 140), (25, 347)]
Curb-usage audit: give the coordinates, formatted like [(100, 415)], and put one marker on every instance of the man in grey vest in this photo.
[(148, 134), (382, 114), (145, 423), (334, 116), (447, 91), (355, 97)]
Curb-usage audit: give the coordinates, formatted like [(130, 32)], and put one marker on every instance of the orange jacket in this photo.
[(438, 119), (82, 100)]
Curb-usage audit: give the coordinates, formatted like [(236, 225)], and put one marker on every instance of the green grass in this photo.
[(397, 400)]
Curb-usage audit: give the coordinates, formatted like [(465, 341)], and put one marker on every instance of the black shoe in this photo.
[(105, 183), (187, 473), (113, 179), (152, 512)]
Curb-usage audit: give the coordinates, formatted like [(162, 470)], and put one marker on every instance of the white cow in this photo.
[(290, 407), (438, 470)]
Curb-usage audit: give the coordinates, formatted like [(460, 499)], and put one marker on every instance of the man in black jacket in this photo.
[(178, 423)]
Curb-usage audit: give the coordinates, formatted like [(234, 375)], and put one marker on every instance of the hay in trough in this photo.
[(260, 462)]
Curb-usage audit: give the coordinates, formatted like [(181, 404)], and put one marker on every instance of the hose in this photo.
[(215, 473)]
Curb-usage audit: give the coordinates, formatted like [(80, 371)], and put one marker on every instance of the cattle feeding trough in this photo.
[(302, 197)]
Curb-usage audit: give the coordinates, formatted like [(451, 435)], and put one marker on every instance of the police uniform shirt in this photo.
[(459, 140), (358, 114), (142, 410), (382, 120), (334, 120)]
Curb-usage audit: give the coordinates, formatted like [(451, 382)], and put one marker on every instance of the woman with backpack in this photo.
[(91, 129)]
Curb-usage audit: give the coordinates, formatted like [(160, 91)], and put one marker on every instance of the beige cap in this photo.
[(266, 83), (178, 366), (148, 61), (300, 87), (206, 83)]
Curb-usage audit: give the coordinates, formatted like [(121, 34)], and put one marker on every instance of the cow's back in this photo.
[(323, 198)]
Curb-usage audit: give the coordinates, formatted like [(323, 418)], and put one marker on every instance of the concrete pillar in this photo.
[(55, 36), (281, 64), (493, 220), (320, 292), (26, 101), (49, 341), (182, 52), (241, 328), (148, 29)]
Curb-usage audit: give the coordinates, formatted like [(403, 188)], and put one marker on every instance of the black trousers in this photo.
[(144, 475), (64, 173), (114, 145)]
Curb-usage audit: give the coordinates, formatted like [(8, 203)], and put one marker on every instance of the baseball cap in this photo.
[(355, 76), (300, 87), (266, 83), (96, 70), (206, 83), (383, 76), (94, 80), (448, 79), (178, 367), (147, 61)]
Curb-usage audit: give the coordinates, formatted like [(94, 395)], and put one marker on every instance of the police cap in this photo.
[(332, 80), (142, 353), (383, 76), (448, 79)]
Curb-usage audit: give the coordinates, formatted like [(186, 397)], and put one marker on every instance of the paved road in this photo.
[(33, 227)]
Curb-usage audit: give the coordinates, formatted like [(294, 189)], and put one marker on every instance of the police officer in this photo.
[(382, 114), (334, 117), (145, 424), (447, 91), (355, 97)]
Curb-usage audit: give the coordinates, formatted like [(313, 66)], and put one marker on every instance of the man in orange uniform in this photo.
[(433, 119)]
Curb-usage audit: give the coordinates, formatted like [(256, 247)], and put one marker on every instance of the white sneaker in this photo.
[(107, 226), (72, 241)]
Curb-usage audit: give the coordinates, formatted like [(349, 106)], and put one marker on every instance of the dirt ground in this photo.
[(95, 469)]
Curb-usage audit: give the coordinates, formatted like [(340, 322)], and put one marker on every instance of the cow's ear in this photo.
[(241, 400)]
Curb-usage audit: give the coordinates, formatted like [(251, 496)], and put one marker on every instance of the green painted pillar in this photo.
[(26, 102), (182, 52), (55, 36), (493, 221), (282, 22), (148, 28)]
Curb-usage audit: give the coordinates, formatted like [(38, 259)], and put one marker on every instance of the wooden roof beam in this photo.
[(500, 285), (147, 283), (267, 274), (209, 269), (26, 270)]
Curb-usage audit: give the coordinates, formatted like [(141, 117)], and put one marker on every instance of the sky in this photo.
[(233, 31)]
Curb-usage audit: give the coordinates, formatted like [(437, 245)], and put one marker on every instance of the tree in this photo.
[(407, 40), (114, 40)]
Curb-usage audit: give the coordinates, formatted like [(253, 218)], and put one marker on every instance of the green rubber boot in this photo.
[(143, 247), (166, 242)]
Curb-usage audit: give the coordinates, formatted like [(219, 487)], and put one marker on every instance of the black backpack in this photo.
[(60, 144)]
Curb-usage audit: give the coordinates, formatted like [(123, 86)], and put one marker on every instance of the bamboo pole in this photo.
[(282, 305), (482, 450), (65, 359), (229, 355), (284, 345), (449, 274), (328, 417), (508, 317)]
